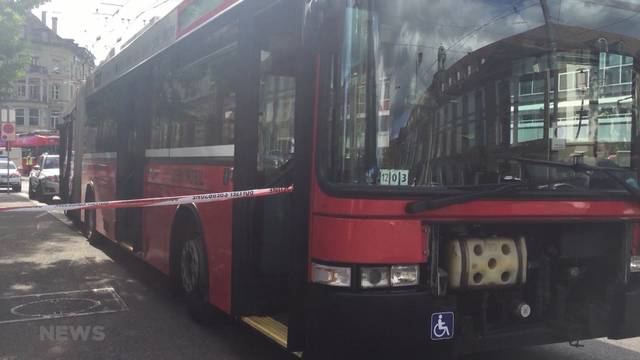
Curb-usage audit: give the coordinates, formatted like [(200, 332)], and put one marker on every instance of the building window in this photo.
[(34, 117), (21, 88), (55, 117), (574, 80), (57, 68), (531, 85), (386, 97), (35, 61), (55, 91), (616, 69), (19, 116), (34, 89)]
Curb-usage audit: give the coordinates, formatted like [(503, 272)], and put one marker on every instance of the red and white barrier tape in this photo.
[(153, 202)]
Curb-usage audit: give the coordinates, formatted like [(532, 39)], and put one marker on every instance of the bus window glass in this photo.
[(425, 99), (102, 109), (197, 105), (277, 111), (195, 99), (165, 100)]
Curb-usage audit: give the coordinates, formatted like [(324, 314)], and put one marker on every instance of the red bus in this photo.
[(465, 172)]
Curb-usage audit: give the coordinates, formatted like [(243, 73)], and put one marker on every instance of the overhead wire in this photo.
[(635, 12), (115, 32), (464, 37)]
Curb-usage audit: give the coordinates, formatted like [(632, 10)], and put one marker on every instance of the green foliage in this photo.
[(12, 19)]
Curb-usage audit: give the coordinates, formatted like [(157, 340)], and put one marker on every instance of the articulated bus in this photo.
[(465, 172)]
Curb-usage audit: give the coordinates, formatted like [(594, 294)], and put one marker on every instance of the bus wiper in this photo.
[(585, 169), (433, 204)]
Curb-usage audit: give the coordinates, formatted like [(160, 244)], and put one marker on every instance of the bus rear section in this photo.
[(475, 186), (212, 111)]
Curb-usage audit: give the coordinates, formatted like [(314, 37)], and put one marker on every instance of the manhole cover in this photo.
[(59, 305)]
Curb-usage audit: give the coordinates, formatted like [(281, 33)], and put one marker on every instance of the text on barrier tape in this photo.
[(153, 202)]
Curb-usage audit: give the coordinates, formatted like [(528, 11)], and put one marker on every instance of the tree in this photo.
[(13, 15)]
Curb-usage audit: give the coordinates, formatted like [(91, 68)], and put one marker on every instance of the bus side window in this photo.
[(276, 144)]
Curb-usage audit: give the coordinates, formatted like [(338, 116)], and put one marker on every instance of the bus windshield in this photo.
[(442, 94)]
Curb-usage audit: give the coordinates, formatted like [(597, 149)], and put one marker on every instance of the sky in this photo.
[(100, 25)]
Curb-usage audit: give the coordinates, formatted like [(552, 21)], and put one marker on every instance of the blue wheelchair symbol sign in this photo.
[(442, 326)]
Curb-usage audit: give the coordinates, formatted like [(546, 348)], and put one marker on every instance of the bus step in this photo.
[(270, 327)]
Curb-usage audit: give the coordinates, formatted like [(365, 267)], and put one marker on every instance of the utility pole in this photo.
[(8, 134), (8, 144)]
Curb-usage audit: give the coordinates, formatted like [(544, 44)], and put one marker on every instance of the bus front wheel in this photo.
[(90, 225), (194, 278)]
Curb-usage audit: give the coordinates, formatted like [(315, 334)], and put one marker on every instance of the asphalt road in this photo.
[(43, 254)]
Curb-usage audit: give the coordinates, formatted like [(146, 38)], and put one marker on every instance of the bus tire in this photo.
[(90, 226), (90, 223), (193, 277)]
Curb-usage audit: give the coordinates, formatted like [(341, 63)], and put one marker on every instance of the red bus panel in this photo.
[(164, 179), (99, 171), (368, 241)]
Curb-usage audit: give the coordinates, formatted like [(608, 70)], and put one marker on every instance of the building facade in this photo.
[(510, 99), (56, 70)]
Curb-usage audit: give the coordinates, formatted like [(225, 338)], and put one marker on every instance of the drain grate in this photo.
[(57, 305)]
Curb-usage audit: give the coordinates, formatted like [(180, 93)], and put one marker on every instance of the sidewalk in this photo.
[(13, 199), (61, 298)]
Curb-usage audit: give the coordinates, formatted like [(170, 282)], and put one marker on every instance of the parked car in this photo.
[(14, 181), (44, 179)]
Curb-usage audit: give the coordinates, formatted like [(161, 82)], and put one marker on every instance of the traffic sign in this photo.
[(8, 132)]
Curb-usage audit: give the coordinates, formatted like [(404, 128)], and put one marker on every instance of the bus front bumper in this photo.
[(383, 321), (360, 322)]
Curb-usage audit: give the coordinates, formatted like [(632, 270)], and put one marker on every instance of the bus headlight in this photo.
[(331, 275), (634, 264), (405, 275), (389, 276), (374, 277)]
